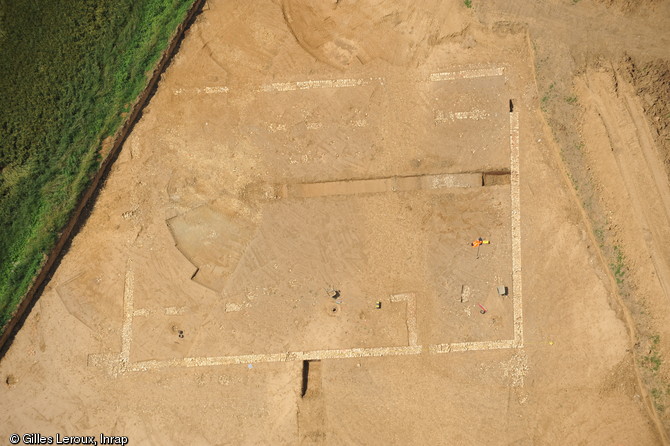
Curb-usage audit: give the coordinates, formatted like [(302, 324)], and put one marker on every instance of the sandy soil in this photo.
[(295, 149), (601, 89)]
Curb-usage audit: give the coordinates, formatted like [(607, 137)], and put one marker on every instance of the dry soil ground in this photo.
[(292, 149)]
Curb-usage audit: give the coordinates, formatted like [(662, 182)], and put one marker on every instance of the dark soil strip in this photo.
[(89, 196), (311, 386), (305, 378)]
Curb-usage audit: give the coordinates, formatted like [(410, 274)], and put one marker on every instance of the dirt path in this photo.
[(589, 28), (638, 164), (631, 193)]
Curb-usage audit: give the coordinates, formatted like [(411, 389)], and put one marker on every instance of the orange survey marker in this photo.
[(479, 242)]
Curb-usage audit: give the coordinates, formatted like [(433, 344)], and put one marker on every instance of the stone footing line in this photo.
[(274, 357), (325, 83), (474, 115), (516, 228), (204, 90), (128, 309), (169, 311), (212, 361), (467, 74), (471, 346), (412, 332), (343, 83)]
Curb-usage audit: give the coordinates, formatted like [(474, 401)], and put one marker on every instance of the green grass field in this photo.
[(69, 71)]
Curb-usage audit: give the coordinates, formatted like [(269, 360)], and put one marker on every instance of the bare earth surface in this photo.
[(295, 148)]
